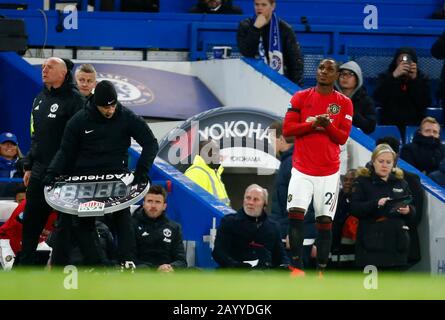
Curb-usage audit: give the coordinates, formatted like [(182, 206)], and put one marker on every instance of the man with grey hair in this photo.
[(58, 101), (249, 238), (86, 79)]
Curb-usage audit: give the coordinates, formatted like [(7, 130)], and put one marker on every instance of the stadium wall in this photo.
[(19, 84)]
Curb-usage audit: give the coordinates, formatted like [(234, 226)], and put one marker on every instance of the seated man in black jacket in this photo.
[(426, 151), (158, 239), (249, 239)]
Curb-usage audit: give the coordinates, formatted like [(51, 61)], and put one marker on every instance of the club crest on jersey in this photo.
[(54, 107), (333, 108), (167, 232)]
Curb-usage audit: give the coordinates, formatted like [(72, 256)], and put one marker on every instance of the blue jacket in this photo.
[(7, 168)]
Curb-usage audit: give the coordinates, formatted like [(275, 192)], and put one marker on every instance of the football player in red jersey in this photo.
[(320, 119)]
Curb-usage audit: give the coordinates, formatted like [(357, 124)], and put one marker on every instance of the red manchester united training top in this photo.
[(317, 150)]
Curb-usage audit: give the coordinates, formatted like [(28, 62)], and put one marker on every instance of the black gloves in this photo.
[(49, 179), (140, 176)]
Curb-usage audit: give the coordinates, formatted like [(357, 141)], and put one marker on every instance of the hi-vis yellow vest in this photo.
[(207, 178)]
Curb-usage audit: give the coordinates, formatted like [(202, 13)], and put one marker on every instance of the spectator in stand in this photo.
[(86, 79), (418, 194), (438, 52), (439, 175), (216, 6), (350, 83), (10, 154), (382, 236), (426, 151), (249, 238), (158, 239), (11, 163), (403, 91), (255, 36)]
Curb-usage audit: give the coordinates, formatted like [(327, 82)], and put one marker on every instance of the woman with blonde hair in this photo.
[(381, 201)]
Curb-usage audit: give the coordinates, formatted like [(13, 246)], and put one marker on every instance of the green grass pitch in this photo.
[(212, 285)]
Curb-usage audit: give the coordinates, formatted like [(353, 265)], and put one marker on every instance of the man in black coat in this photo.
[(58, 101), (252, 31), (158, 239), (426, 151), (403, 91), (96, 141), (249, 239)]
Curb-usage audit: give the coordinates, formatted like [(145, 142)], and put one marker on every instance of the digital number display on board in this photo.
[(94, 195)]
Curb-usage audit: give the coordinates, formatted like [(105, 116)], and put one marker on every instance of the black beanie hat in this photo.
[(105, 94)]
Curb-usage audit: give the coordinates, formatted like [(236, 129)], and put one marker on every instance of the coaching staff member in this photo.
[(96, 141), (58, 101)]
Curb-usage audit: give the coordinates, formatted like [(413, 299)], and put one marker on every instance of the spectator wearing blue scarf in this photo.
[(266, 37)]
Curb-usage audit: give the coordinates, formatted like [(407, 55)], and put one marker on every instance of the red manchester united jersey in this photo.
[(317, 150)]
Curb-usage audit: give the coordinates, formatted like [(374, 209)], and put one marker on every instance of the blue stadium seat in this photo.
[(436, 113), (410, 131), (383, 131), (378, 114)]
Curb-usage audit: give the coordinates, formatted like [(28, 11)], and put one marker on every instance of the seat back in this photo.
[(386, 130)]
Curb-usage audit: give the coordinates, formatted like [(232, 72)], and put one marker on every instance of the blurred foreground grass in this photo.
[(216, 285)]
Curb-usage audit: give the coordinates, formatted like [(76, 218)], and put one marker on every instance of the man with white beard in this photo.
[(249, 238)]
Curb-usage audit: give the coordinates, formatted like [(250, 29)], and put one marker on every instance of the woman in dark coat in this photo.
[(382, 236)]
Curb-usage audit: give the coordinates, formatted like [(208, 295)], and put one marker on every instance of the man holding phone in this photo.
[(403, 91), (406, 67)]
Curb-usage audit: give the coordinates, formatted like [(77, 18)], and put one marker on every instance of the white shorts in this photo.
[(324, 190)]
